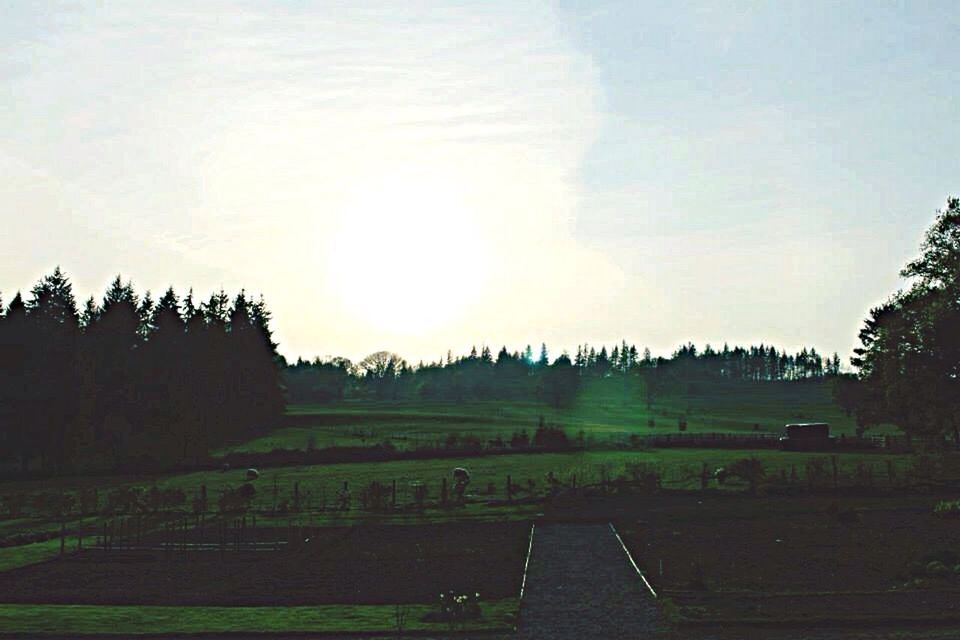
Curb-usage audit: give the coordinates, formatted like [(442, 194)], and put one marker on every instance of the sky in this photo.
[(418, 177)]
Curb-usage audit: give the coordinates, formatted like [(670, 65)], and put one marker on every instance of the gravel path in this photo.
[(581, 585)]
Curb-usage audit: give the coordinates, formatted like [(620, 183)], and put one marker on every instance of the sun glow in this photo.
[(409, 254)]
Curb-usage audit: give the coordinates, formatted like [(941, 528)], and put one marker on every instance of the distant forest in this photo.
[(130, 382), (523, 376)]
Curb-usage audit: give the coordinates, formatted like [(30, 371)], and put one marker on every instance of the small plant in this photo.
[(458, 608), (947, 509)]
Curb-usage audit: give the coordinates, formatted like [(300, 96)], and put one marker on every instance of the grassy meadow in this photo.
[(604, 409)]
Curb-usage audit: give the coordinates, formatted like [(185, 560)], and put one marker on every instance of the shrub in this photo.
[(550, 436), (947, 509)]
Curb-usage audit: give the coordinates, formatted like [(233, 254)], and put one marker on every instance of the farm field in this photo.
[(800, 562), (603, 410), (315, 487), (334, 579), (398, 520), (334, 565)]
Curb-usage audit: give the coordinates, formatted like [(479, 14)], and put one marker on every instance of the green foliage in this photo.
[(947, 509), (457, 608)]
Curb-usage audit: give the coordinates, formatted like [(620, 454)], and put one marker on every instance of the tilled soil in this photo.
[(581, 585), (360, 565), (806, 560)]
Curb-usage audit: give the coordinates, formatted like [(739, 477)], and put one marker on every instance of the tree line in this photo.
[(521, 375), (131, 382)]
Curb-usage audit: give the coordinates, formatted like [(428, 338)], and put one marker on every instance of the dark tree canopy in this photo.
[(909, 357), (131, 382)]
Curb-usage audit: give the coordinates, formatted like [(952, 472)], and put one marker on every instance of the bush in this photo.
[(550, 436), (947, 509)]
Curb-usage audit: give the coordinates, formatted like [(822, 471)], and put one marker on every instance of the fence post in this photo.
[(63, 535)]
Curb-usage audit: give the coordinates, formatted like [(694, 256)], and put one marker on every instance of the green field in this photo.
[(609, 409)]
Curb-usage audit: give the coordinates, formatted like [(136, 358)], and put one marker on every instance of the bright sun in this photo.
[(409, 255)]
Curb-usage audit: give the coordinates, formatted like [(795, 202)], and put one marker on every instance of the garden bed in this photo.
[(815, 559), (346, 565)]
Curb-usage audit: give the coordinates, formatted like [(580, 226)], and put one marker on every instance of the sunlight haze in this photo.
[(423, 177)]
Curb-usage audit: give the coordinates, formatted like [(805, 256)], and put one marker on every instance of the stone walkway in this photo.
[(580, 584)]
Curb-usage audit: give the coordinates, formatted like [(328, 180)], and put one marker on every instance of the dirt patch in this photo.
[(815, 559), (356, 565)]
